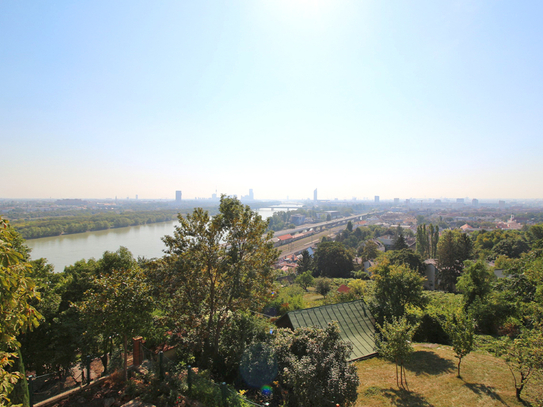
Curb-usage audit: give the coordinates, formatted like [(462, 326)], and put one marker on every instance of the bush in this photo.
[(312, 367)]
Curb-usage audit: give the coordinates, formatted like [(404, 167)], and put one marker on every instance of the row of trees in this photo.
[(81, 222)]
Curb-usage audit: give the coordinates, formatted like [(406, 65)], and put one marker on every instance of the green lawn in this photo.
[(431, 375)]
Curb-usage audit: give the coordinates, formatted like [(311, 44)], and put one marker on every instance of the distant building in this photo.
[(460, 200), (72, 202), (501, 205), (437, 202), (297, 219), (376, 199), (178, 196), (475, 202), (251, 195), (315, 195), (396, 201), (407, 201)]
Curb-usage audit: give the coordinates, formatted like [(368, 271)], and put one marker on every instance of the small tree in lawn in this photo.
[(119, 303), (524, 357), (460, 328), (305, 280), (395, 345), (323, 286)]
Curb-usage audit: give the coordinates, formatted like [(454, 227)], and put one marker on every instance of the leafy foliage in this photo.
[(333, 260), (524, 357), (323, 286), (395, 345), (460, 328), (119, 303), (453, 249), (17, 292), (305, 280), (395, 288), (408, 258), (312, 367), (215, 266)]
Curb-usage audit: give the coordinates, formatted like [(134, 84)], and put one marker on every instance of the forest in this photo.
[(80, 222)]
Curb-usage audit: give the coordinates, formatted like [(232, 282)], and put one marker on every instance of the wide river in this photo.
[(144, 241)]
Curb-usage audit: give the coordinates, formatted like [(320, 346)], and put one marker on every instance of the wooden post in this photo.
[(137, 350)]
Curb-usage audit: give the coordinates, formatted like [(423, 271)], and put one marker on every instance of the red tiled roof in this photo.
[(285, 237)]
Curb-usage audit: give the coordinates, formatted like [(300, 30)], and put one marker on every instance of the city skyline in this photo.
[(359, 99)]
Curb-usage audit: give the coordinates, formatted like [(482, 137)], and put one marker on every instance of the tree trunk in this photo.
[(518, 390), (125, 358), (458, 369)]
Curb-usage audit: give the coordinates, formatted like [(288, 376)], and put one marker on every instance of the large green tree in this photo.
[(427, 240), (333, 260), (407, 257), (119, 303), (453, 249), (215, 266), (17, 292), (396, 287), (475, 282), (305, 263)]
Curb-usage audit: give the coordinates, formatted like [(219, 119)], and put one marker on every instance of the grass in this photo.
[(431, 376)]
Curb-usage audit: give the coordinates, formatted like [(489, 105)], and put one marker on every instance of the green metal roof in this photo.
[(354, 319)]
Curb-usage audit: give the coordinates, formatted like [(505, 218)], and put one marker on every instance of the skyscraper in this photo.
[(251, 195), (178, 196), (315, 194), (376, 199)]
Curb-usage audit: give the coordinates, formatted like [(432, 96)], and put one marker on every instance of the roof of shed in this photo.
[(354, 319)]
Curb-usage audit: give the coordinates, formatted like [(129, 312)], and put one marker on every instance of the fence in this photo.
[(49, 385)]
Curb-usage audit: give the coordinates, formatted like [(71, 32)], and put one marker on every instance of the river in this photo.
[(144, 241)]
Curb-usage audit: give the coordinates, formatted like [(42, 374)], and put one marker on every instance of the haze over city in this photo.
[(355, 98)]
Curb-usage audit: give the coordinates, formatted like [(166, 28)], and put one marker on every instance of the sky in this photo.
[(408, 99)]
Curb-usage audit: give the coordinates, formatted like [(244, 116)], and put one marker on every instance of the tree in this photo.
[(323, 286), (305, 263), (350, 226), (453, 249), (395, 288), (368, 250), (118, 304), (408, 258), (333, 260), (305, 280), (17, 292), (427, 240), (510, 247), (535, 236), (395, 345), (399, 242), (460, 328), (524, 357), (215, 266), (312, 367), (475, 282)]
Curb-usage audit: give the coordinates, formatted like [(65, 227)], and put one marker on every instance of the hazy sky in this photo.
[(356, 98)]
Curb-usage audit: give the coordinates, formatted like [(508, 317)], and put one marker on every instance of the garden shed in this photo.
[(355, 322)]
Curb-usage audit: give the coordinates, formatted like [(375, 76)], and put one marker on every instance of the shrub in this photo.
[(313, 368)]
